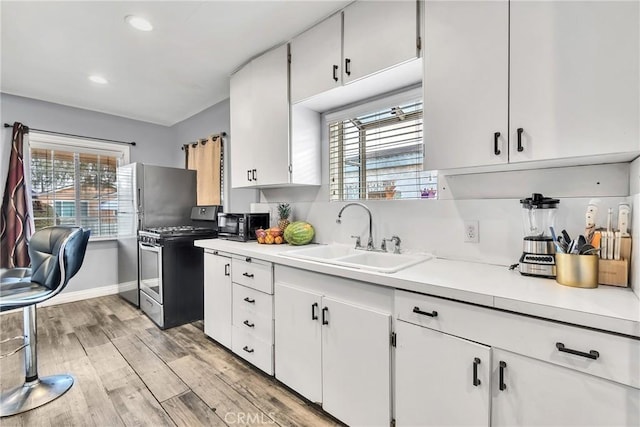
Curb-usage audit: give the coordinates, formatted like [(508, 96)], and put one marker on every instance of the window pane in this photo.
[(379, 155), (74, 188)]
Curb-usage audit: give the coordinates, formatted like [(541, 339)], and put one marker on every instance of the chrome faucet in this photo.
[(370, 246), (396, 244)]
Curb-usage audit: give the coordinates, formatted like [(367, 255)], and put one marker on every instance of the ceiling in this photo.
[(49, 48)]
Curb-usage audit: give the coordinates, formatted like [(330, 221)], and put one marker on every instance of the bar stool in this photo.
[(56, 256)]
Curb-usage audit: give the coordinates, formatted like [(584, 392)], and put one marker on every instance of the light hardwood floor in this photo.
[(129, 372)]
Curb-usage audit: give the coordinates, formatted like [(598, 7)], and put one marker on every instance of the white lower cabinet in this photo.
[(530, 392), (334, 352), (440, 379), (551, 375), (298, 340), (217, 297)]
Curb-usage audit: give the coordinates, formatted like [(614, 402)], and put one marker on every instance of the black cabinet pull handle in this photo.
[(335, 72), (314, 315), (248, 174), (254, 174), (503, 366), (250, 300), (247, 349), (248, 259), (347, 66), (476, 362), (226, 269), (593, 354), (496, 150), (520, 147), (249, 324), (425, 313), (250, 276), (325, 310)]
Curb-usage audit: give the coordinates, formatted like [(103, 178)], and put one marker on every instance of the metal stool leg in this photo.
[(35, 391)]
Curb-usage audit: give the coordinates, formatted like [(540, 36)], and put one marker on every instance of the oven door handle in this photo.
[(151, 248)]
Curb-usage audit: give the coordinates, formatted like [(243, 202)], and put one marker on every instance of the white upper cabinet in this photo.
[(376, 45), (270, 102), (378, 35), (271, 144), (316, 64), (574, 79), (241, 111), (465, 83), (570, 68)]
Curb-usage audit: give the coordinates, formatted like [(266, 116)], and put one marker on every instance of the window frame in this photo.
[(354, 110), (40, 140)]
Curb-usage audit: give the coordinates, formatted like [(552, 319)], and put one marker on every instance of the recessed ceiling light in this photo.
[(138, 23), (98, 79)]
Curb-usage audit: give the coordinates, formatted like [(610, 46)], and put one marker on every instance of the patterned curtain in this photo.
[(16, 218), (205, 157)]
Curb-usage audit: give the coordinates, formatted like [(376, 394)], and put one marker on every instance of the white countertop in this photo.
[(606, 308)]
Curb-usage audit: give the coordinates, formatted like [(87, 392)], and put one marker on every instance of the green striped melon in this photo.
[(299, 233)]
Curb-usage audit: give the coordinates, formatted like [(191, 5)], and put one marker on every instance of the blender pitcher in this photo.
[(538, 215)]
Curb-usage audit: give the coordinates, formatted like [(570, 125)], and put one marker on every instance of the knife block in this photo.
[(616, 272)]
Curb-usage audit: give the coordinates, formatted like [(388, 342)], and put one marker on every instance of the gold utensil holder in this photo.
[(579, 271)]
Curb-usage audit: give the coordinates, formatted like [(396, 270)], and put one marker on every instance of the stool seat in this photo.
[(20, 288), (56, 256)]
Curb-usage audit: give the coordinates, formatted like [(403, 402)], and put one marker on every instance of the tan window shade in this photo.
[(379, 155), (206, 159)]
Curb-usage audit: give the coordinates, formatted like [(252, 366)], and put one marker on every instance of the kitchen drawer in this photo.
[(253, 311), (252, 349), (253, 273), (252, 302), (617, 358)]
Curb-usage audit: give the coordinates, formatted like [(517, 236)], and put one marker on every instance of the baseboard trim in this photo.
[(66, 297)]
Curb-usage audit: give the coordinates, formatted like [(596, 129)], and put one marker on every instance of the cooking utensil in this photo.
[(590, 220)]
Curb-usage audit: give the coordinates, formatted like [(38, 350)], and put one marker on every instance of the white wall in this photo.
[(491, 198)]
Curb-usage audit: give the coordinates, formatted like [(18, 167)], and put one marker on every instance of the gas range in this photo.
[(159, 235)]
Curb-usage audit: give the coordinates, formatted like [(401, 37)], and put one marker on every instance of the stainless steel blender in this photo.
[(538, 215)]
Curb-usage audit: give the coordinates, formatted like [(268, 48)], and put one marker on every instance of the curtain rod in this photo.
[(203, 140), (77, 136)]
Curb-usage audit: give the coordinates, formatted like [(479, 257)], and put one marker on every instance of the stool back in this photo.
[(56, 255)]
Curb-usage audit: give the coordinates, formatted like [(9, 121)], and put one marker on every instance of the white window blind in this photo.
[(75, 184), (379, 154)]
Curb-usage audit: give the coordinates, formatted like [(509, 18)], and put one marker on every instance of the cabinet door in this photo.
[(217, 298), (316, 58), (435, 379), (466, 83), (297, 340), (241, 148), (356, 371), (270, 117), (378, 35), (537, 393), (574, 87)]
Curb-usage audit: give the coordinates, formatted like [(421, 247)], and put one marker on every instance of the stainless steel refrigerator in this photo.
[(148, 196)]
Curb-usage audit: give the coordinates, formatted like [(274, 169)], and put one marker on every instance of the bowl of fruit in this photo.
[(270, 236)]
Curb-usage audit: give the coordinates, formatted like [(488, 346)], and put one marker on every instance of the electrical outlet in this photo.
[(471, 232)]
